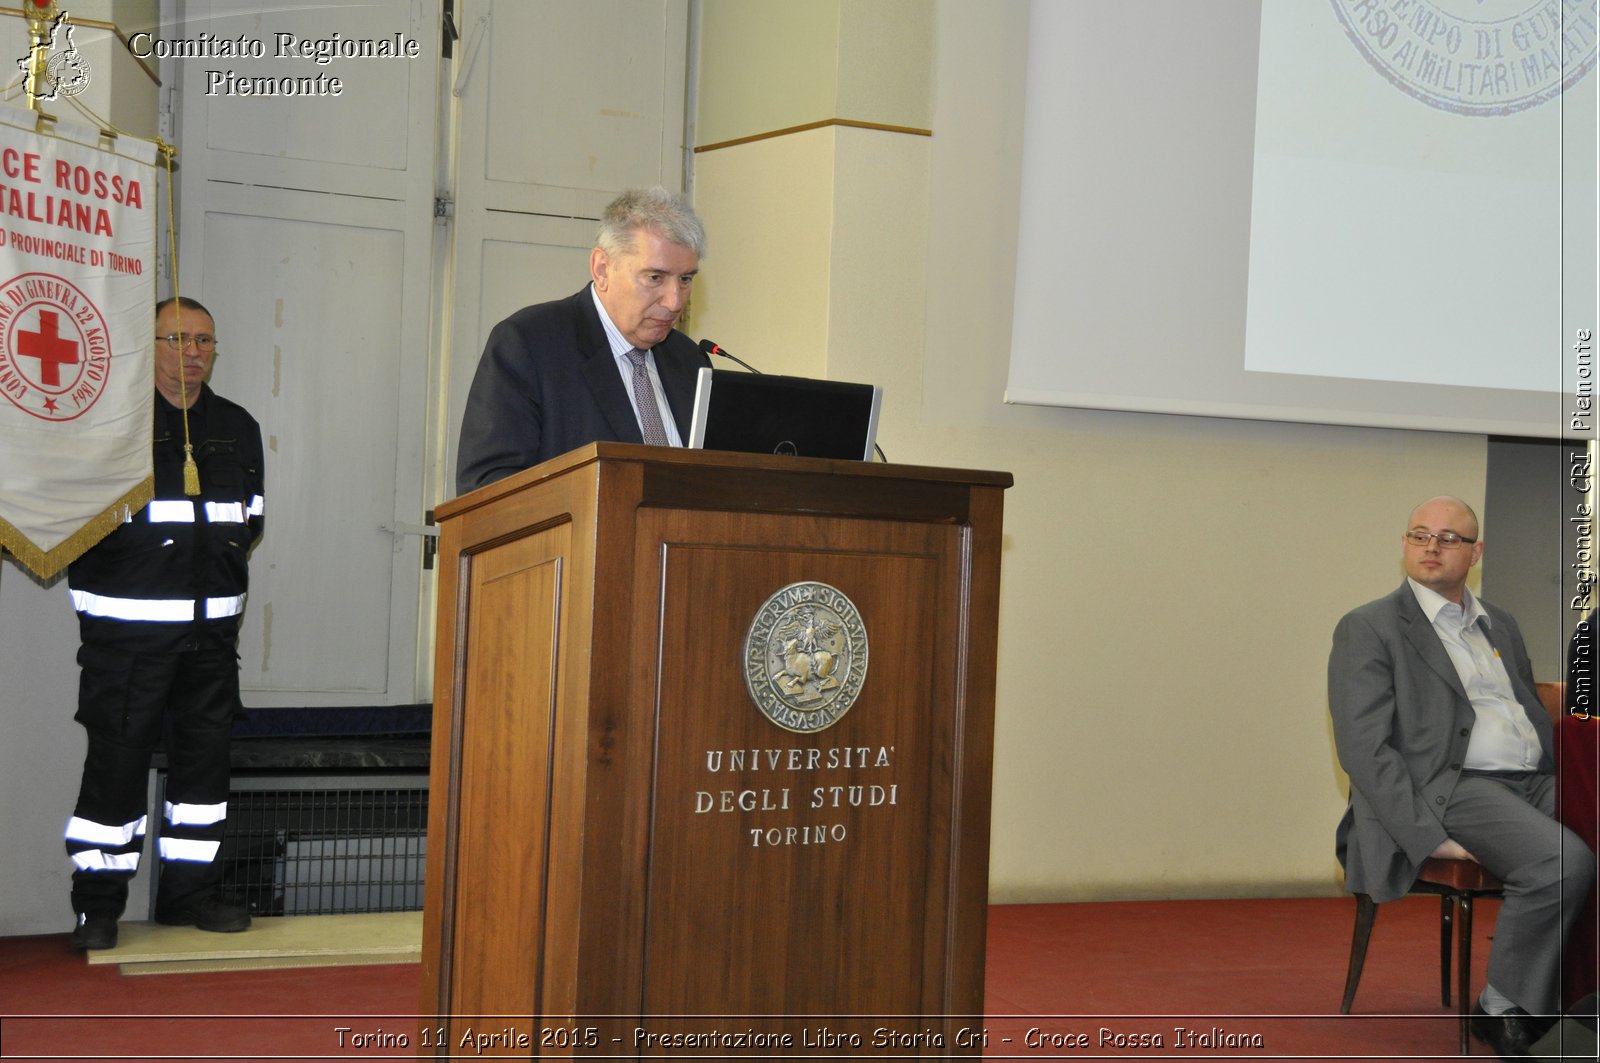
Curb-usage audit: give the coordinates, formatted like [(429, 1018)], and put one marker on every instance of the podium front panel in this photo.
[(835, 841), (509, 720)]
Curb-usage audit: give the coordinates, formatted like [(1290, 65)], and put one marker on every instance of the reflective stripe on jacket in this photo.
[(181, 559)]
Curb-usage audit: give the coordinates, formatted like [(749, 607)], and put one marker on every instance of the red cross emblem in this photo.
[(55, 348), (50, 347)]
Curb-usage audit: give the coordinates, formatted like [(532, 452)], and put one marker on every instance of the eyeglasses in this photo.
[(1448, 540), (179, 340)]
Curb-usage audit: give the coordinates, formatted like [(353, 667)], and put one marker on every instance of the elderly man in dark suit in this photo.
[(605, 363), (1449, 752)]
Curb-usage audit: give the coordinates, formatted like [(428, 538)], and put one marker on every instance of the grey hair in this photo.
[(667, 214)]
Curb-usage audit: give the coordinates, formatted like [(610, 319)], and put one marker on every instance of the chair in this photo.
[(1554, 697), (1458, 883)]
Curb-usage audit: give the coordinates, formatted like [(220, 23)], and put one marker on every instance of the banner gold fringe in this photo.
[(47, 564)]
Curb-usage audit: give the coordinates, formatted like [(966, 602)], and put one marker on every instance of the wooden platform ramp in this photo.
[(285, 941)]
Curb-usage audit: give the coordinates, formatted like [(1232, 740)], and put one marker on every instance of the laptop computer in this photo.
[(769, 414)]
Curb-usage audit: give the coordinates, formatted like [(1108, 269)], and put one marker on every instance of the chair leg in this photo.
[(1366, 913), (1464, 971), (1447, 908)]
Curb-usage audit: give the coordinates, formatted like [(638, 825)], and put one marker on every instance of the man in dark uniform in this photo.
[(159, 602)]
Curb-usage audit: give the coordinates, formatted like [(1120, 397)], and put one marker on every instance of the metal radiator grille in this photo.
[(322, 849)]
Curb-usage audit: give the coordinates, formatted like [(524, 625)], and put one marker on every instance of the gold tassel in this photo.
[(191, 472)]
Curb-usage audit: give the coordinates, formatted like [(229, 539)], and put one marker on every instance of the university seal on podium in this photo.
[(805, 657)]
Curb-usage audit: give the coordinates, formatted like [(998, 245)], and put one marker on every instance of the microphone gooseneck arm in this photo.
[(711, 348)]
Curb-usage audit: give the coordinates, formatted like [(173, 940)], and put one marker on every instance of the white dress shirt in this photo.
[(1503, 738)]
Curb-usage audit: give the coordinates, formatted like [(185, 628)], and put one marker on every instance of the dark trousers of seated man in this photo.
[(180, 695), (1507, 820)]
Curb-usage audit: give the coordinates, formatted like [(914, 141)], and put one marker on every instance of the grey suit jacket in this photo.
[(1401, 723), (547, 383)]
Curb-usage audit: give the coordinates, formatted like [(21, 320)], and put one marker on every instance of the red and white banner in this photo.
[(77, 296)]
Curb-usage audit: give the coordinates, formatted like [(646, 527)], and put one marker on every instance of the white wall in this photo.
[(38, 695), (1170, 583)]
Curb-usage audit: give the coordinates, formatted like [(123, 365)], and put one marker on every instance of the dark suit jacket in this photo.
[(547, 383), (1401, 722)]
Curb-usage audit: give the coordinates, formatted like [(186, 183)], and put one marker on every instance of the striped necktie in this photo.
[(645, 396)]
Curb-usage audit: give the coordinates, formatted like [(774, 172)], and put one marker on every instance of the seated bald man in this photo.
[(1449, 751)]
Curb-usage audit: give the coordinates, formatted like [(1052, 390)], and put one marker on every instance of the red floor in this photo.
[(1254, 979)]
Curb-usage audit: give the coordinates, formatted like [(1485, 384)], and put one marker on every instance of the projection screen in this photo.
[(1365, 212)]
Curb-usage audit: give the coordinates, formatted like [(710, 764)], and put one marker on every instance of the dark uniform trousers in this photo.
[(137, 694)]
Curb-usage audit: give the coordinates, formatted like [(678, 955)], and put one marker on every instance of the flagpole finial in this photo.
[(41, 16)]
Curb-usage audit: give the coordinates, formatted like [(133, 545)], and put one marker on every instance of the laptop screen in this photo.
[(766, 414)]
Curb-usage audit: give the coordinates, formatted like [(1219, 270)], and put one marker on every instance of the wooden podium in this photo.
[(659, 823)]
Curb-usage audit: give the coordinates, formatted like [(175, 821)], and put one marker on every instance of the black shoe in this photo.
[(1511, 1034), (207, 913), (95, 930)]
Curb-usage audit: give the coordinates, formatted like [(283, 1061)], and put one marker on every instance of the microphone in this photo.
[(711, 348)]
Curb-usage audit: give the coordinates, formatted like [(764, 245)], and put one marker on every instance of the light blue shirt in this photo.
[(1503, 738)]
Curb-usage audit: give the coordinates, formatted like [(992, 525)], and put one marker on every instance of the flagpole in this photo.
[(41, 15)]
